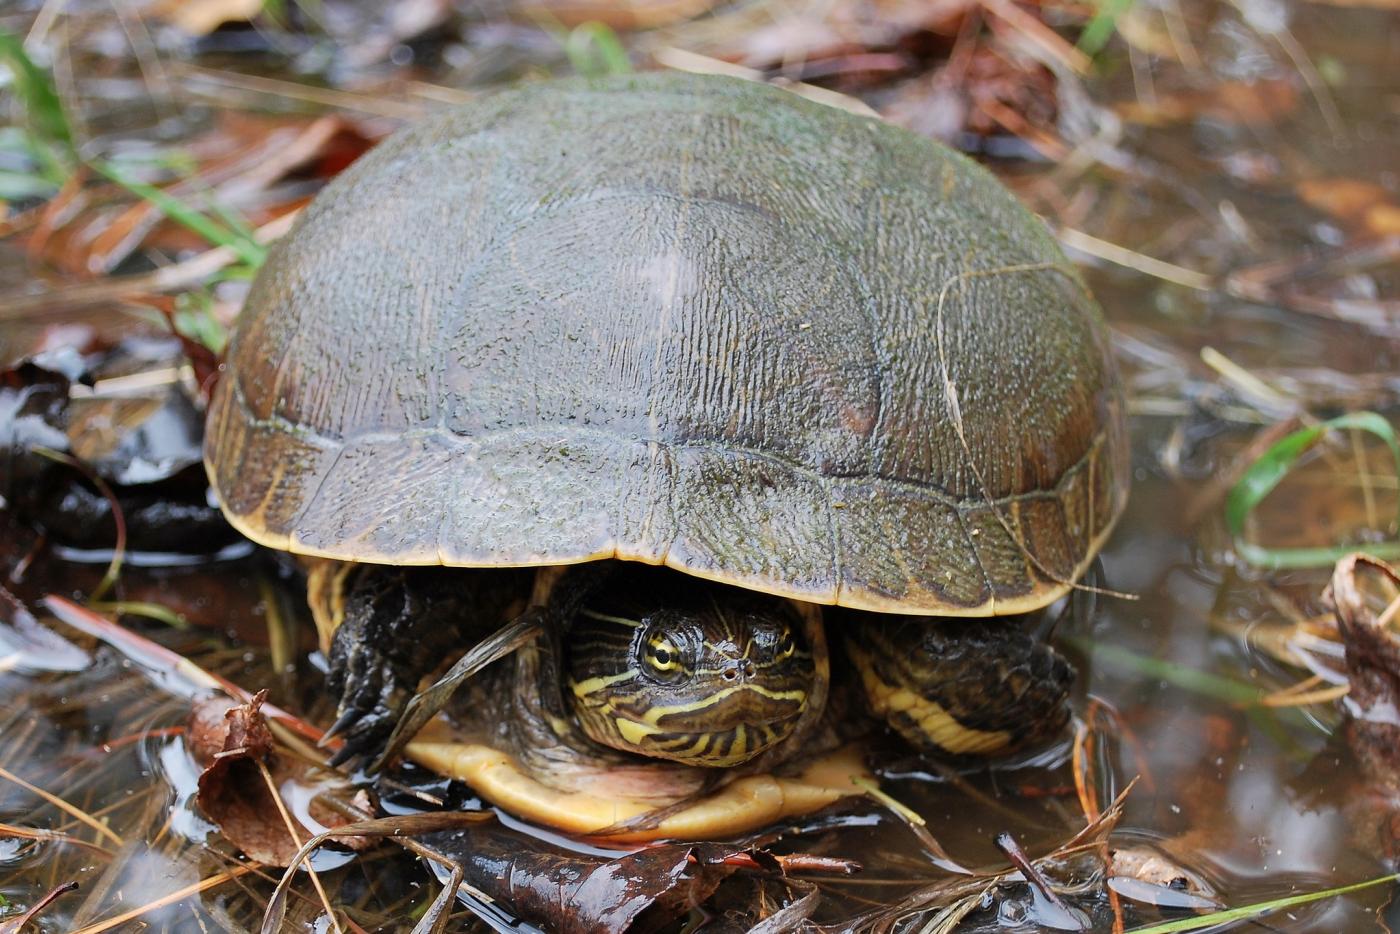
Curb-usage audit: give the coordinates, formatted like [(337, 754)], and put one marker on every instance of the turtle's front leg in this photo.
[(398, 625), (966, 687)]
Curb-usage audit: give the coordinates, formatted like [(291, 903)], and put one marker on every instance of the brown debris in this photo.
[(1254, 103), (799, 36), (201, 17), (1373, 666), (989, 92), (240, 163), (17, 925), (1365, 207), (568, 891), (230, 742), (1372, 728), (1146, 875), (615, 14)]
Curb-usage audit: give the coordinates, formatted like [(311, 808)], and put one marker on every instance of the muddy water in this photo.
[(1258, 802)]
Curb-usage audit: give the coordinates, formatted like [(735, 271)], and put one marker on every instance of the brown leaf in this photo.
[(1361, 205), (201, 17), (582, 894), (1146, 875), (615, 14), (1259, 102), (1373, 667), (991, 91), (230, 742), (239, 163), (797, 36)]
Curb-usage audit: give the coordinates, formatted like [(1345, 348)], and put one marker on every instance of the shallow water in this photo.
[(1259, 803)]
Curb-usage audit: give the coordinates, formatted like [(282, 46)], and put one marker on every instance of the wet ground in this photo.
[(1225, 174)]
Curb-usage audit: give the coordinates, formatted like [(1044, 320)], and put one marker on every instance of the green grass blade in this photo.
[(1191, 679), (595, 51), (194, 318), (1269, 470), (1258, 909), (155, 611), (1101, 28), (36, 93), (50, 135), (247, 249)]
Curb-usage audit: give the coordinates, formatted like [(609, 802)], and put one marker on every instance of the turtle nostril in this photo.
[(739, 669)]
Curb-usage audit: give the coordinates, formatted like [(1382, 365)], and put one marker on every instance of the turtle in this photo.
[(661, 380)]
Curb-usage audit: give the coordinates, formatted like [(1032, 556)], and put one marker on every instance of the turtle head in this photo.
[(710, 682)]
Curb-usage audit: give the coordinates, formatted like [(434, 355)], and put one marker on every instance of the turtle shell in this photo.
[(682, 320)]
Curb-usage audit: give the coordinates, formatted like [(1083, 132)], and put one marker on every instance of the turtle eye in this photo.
[(663, 657), (785, 646)]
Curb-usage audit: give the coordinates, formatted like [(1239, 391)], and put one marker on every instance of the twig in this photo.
[(64, 806), (17, 925), (296, 838), (30, 833), (914, 821), (291, 90), (171, 278), (695, 63), (1008, 845), (1130, 259), (1039, 35), (176, 896)]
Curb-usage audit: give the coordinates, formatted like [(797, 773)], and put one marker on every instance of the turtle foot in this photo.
[(372, 696), (962, 687)]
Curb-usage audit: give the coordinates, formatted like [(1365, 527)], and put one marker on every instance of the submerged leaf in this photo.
[(1145, 875), (231, 742), (571, 891)]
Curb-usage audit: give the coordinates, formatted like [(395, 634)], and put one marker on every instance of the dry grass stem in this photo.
[(1122, 256), (296, 838), (63, 806), (177, 896)]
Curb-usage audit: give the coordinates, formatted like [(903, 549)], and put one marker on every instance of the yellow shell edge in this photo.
[(743, 805)]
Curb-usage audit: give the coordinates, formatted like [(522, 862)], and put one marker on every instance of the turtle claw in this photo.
[(363, 734), (341, 756), (347, 751), (372, 693), (347, 719)]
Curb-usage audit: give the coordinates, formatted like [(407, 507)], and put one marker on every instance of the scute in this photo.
[(681, 320)]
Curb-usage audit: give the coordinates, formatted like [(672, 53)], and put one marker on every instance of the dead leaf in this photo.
[(568, 891), (230, 741), (239, 165), (615, 14), (1373, 667), (201, 17), (993, 92), (1255, 103), (796, 36), (1364, 206), (1148, 876)]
